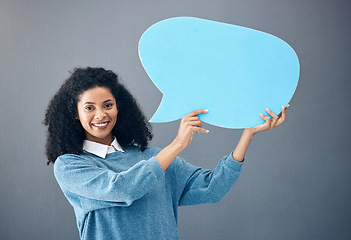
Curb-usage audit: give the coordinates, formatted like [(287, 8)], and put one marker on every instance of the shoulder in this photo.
[(74, 159), (70, 157)]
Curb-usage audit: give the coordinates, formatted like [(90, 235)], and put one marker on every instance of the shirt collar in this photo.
[(101, 150)]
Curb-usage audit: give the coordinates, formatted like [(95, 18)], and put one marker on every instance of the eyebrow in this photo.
[(102, 102)]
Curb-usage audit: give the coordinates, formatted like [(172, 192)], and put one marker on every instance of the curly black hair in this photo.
[(66, 134)]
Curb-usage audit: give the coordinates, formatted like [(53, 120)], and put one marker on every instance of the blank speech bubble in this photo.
[(235, 72)]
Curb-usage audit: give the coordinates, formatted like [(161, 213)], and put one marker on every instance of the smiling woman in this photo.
[(80, 102), (120, 188)]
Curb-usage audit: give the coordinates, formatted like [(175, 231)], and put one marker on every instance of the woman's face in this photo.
[(97, 112)]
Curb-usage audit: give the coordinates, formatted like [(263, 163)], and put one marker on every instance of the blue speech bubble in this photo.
[(235, 72)]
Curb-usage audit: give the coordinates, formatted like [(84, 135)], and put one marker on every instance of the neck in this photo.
[(106, 141)]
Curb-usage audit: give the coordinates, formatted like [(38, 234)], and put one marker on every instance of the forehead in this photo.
[(96, 95)]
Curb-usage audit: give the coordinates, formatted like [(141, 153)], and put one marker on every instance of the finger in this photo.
[(187, 119), (282, 116), (196, 112), (266, 125), (200, 129), (266, 118), (273, 115), (191, 120), (196, 124)]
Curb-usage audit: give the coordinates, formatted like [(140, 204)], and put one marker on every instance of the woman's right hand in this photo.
[(189, 124)]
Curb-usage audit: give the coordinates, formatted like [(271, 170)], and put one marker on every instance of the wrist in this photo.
[(177, 146), (249, 132)]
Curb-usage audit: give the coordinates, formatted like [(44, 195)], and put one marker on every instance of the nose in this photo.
[(100, 114)]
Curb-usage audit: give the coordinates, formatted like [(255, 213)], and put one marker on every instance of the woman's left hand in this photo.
[(271, 121)]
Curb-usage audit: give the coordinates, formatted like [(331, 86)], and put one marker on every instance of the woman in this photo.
[(120, 188)]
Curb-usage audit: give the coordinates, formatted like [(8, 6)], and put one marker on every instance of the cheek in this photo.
[(84, 118), (114, 118), (114, 114)]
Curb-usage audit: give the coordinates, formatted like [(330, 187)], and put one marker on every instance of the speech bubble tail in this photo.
[(166, 112)]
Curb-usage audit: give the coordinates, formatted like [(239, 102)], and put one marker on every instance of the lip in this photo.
[(95, 125)]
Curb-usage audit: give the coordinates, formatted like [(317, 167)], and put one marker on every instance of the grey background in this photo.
[(295, 183)]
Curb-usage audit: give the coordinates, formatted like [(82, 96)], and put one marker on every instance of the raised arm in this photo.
[(248, 134), (189, 124)]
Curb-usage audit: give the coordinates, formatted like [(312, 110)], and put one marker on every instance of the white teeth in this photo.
[(100, 125)]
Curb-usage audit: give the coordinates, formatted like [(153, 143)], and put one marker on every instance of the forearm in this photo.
[(241, 147), (167, 155), (189, 124)]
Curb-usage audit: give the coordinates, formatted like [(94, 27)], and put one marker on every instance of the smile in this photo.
[(100, 125)]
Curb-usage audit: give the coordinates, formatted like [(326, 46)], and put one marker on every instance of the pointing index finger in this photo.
[(197, 112)]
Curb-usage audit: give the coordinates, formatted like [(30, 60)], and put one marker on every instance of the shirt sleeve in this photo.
[(199, 186), (83, 177)]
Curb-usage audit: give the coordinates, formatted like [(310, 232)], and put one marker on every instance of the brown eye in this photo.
[(89, 108), (109, 105)]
